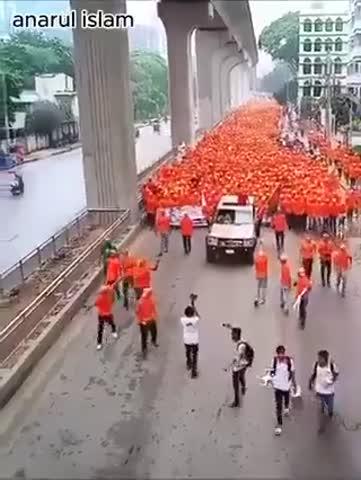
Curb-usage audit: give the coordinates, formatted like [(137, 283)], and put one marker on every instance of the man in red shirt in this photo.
[(104, 305), (114, 272), (187, 232), (279, 225), (325, 250), (163, 228), (286, 283), (261, 268), (147, 314), (303, 287), (343, 263)]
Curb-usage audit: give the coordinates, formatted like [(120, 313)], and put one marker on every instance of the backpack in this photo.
[(289, 365), (332, 368), (249, 352)]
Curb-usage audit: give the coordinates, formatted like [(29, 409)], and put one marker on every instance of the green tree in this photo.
[(288, 92), (149, 79), (44, 119), (281, 38)]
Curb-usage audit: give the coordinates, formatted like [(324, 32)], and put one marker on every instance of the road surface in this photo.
[(87, 414), (54, 194)]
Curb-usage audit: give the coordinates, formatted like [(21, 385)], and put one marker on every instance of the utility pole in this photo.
[(6, 113), (328, 95)]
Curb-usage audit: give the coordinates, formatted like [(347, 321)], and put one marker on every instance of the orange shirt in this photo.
[(303, 283), (104, 303), (286, 280), (146, 310), (279, 222), (261, 266), (186, 226), (114, 270), (325, 249), (308, 249), (163, 224), (342, 260), (128, 263)]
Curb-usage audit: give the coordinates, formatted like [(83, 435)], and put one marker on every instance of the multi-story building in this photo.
[(323, 48), (354, 64)]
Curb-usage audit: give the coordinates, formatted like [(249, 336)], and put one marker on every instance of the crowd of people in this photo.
[(239, 158)]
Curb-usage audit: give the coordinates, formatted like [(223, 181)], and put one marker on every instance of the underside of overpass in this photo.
[(224, 40)]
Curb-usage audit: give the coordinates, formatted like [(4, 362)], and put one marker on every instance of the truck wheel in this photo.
[(250, 258), (210, 256)]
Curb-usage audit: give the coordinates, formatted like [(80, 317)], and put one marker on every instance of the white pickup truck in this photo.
[(233, 231)]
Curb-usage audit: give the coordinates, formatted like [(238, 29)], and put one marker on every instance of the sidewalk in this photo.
[(49, 152)]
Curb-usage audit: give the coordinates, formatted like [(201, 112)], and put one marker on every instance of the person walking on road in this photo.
[(163, 228), (283, 378), (242, 359), (343, 263), (187, 232), (261, 268), (128, 263), (146, 313), (285, 283), (307, 251), (325, 250), (323, 378), (114, 272), (107, 248), (303, 287), (190, 322), (142, 276), (279, 224), (104, 304)]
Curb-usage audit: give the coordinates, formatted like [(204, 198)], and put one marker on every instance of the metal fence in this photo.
[(84, 222)]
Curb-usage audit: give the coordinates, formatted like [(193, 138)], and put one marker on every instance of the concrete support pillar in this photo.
[(207, 42), (106, 111), (178, 25), (235, 79), (218, 59), (226, 68)]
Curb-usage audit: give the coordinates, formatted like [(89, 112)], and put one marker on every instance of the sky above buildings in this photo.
[(263, 13)]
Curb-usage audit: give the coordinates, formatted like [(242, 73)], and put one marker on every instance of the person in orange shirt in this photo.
[(163, 228), (114, 272), (104, 304), (279, 225), (303, 287), (128, 263), (142, 276), (325, 250), (343, 263), (186, 226), (307, 252), (261, 267), (146, 313), (286, 283)]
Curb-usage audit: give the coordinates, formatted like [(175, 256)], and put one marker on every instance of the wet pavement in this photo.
[(54, 194), (108, 414)]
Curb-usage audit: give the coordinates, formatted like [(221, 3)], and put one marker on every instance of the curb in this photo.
[(53, 154), (11, 379)]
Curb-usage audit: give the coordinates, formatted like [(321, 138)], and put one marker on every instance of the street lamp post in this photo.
[(6, 113)]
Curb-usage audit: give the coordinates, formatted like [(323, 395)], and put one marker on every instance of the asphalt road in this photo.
[(108, 414), (54, 195)]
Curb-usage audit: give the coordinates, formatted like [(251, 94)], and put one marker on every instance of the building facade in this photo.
[(354, 64), (323, 48)]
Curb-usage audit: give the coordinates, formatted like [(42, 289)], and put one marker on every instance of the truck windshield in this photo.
[(234, 217)]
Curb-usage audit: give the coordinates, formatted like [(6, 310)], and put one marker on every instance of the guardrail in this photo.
[(26, 322), (86, 219)]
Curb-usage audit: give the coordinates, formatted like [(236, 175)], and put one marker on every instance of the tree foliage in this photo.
[(281, 38), (24, 55), (274, 81), (44, 118), (149, 77), (288, 92)]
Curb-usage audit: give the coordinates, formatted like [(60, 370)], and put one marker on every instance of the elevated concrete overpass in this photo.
[(225, 42)]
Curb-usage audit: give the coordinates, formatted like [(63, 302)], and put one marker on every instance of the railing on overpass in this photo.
[(18, 273)]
